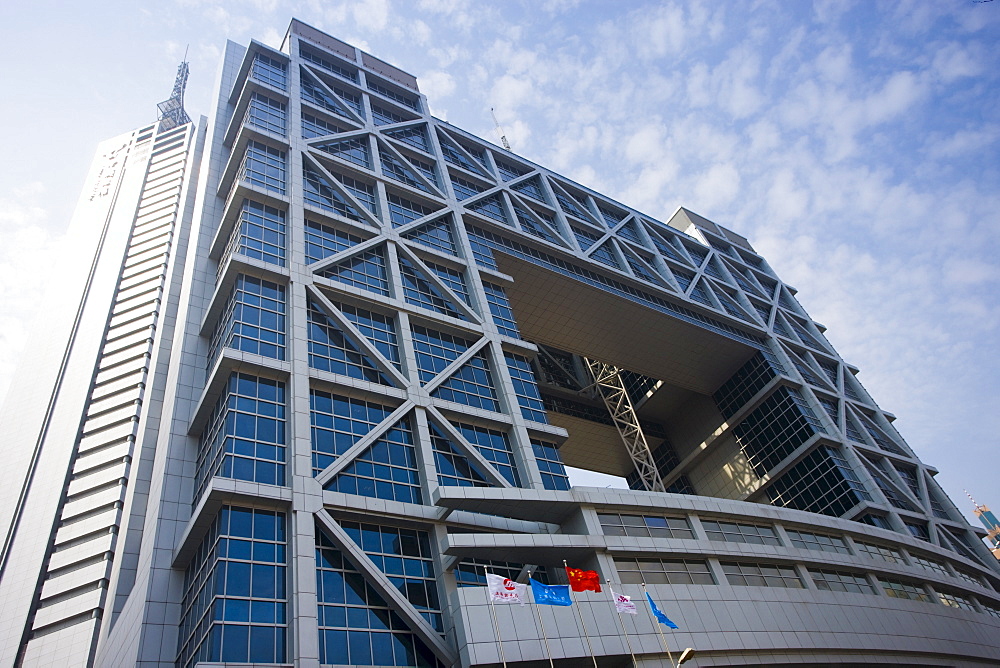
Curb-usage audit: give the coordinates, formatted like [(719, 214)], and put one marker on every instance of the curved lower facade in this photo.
[(746, 585), (351, 357)]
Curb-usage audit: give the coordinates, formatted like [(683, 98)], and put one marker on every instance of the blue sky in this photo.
[(854, 144)]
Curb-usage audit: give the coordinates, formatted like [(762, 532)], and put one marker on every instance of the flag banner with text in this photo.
[(580, 580), (550, 594), (623, 603), (505, 590), (662, 618)]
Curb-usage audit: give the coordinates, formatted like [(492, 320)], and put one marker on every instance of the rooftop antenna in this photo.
[(172, 112), (503, 137)]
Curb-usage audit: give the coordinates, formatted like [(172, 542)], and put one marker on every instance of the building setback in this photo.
[(325, 359)]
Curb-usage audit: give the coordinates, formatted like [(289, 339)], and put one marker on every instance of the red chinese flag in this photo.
[(583, 580)]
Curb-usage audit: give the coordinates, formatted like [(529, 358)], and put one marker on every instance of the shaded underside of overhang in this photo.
[(555, 310)]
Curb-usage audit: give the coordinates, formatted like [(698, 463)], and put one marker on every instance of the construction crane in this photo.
[(503, 137)]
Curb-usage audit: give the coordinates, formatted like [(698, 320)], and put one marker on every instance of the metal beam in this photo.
[(609, 384)]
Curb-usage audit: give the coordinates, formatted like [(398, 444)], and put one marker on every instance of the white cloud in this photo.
[(954, 61), (717, 187), (510, 92), (963, 143), (370, 14), (437, 85), (970, 271)]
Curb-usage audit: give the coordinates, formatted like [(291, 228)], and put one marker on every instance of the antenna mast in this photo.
[(172, 112), (503, 137)]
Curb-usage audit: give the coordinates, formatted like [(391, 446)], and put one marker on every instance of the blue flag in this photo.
[(550, 594), (662, 618)]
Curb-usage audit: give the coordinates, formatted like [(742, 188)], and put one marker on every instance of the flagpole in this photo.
[(582, 623), (656, 623), (548, 652), (493, 615), (621, 621)]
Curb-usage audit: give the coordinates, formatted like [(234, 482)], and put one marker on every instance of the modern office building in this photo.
[(326, 358)]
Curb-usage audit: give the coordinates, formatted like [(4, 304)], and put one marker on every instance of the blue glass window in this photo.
[(470, 573), (245, 436), (415, 136), (266, 114), (383, 116), (337, 423), (822, 482), (712, 269), (482, 253), (550, 465), (323, 241), (270, 71), (404, 555), (509, 172), (697, 254), (364, 192), (352, 99), (397, 171), (313, 92), (356, 626), (491, 207), (729, 304), (328, 64), (494, 446), (465, 189), (666, 248), (586, 238), (457, 158), (639, 269), (379, 329), (264, 167), (454, 468), (529, 225), (627, 231), (606, 255), (570, 206), (425, 168), (530, 187), (699, 293), (853, 432), (365, 271), (319, 193), (471, 385), (804, 335), (260, 234), (437, 235), (392, 94), (234, 603), (503, 314), (453, 278), (253, 321), (743, 280), (775, 429), (612, 218), (314, 126), (353, 150), (403, 211), (526, 388), (386, 470), (417, 290), (435, 351), (330, 350)]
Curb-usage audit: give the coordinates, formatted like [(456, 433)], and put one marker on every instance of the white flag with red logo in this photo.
[(623, 603), (505, 590)]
